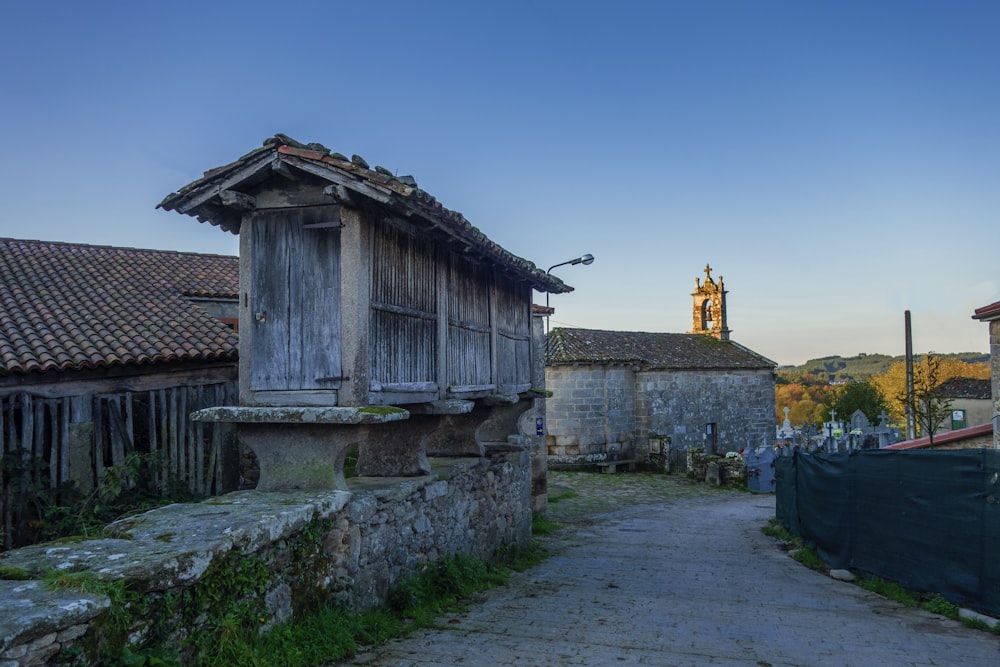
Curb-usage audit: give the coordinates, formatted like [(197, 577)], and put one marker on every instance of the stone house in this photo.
[(991, 315), (971, 403), (652, 396)]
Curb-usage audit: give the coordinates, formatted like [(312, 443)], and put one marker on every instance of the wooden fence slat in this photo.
[(98, 413), (64, 447), (182, 438), (8, 536), (52, 406), (175, 466), (27, 424), (37, 454), (129, 433), (158, 464), (116, 429), (164, 421)]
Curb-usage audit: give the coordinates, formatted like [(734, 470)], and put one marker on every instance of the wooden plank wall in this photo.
[(404, 308), (513, 306), (469, 332), (38, 433)]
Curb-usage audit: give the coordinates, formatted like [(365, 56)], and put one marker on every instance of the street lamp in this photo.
[(582, 259)]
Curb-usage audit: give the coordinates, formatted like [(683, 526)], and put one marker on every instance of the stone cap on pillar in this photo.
[(377, 414)]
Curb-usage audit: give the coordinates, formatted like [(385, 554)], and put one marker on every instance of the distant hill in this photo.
[(845, 369)]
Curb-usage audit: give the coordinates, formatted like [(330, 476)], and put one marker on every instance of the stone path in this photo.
[(654, 570)]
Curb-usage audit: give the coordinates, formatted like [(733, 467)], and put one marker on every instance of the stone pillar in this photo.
[(532, 423)]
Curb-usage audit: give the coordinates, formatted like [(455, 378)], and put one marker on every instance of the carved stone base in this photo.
[(395, 450), (305, 457)]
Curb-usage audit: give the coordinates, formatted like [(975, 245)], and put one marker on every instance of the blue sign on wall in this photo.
[(539, 426)]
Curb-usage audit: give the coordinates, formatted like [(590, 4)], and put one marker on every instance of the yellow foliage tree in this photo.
[(892, 383), (805, 402)]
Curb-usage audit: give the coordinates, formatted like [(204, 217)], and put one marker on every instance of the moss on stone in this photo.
[(14, 573), (381, 409)]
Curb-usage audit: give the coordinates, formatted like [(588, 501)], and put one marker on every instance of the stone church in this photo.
[(648, 397)]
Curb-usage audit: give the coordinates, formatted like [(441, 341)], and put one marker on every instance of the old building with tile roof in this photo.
[(105, 351), (72, 308), (651, 396)]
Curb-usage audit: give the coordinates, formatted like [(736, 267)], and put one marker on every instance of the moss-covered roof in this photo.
[(650, 351)]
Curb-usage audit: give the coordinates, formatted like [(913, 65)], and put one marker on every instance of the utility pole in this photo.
[(911, 413)]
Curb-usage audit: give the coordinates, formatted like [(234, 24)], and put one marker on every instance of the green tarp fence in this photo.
[(929, 520)]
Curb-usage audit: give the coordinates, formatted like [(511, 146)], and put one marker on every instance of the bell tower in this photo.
[(709, 312)]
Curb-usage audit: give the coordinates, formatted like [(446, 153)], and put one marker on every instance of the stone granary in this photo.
[(632, 395), (370, 316)]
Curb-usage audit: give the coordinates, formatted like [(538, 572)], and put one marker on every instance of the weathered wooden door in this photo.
[(296, 304)]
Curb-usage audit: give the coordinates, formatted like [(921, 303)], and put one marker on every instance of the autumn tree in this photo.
[(930, 407), (803, 398), (864, 396), (892, 383)]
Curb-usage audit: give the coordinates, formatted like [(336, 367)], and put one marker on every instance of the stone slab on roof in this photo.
[(67, 306), (651, 351), (965, 388)]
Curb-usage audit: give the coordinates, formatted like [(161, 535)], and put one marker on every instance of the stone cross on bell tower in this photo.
[(709, 311)]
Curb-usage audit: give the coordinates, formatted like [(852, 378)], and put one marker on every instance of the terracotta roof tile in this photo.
[(67, 306), (202, 199), (946, 438), (651, 351), (990, 312)]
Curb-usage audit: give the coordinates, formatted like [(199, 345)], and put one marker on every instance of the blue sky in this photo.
[(836, 162)]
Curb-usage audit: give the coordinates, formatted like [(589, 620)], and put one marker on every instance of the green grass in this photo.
[(542, 526), (562, 495), (808, 557), (777, 531), (889, 589), (938, 605), (332, 633)]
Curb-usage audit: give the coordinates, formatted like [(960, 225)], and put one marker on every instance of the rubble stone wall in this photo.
[(292, 550)]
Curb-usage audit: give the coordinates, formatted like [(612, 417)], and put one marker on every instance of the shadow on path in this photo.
[(656, 570)]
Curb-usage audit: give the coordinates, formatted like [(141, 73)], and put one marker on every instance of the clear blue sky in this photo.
[(837, 162)]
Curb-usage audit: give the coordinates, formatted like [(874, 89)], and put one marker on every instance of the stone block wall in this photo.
[(591, 411), (295, 549), (680, 404)]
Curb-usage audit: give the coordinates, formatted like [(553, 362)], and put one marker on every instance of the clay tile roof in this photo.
[(965, 388), (204, 199), (947, 438), (651, 351), (66, 306), (986, 313)]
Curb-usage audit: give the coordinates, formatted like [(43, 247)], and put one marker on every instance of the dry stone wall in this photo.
[(292, 551)]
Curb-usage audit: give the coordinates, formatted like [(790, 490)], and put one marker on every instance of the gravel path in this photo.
[(655, 570)]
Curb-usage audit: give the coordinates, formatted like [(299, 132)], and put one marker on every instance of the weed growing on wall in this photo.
[(40, 513)]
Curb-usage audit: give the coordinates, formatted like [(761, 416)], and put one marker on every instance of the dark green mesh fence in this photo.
[(928, 520)]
